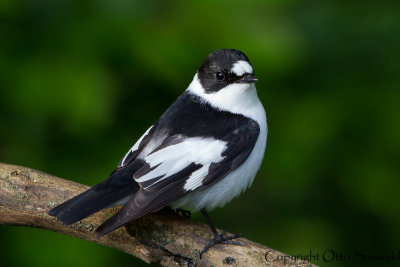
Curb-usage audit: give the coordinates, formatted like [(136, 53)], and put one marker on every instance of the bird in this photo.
[(203, 151)]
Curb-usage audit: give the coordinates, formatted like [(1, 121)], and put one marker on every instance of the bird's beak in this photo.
[(248, 79)]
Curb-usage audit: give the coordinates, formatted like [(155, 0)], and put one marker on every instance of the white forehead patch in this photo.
[(241, 67)]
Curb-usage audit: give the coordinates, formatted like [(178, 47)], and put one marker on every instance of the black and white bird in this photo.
[(203, 151)]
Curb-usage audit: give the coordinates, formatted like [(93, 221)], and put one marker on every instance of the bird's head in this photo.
[(225, 68), (226, 81)]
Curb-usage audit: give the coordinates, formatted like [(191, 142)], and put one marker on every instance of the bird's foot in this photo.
[(220, 238), (184, 213)]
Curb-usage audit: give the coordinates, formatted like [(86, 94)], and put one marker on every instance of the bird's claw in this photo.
[(219, 238)]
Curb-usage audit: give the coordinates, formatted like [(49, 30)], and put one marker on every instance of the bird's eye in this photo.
[(220, 76)]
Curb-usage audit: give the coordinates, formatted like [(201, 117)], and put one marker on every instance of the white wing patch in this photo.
[(135, 147), (174, 158), (196, 178), (241, 67)]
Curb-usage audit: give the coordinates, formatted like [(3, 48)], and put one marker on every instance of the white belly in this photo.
[(232, 185)]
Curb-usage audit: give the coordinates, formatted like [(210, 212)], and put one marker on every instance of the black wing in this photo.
[(161, 190), (242, 142)]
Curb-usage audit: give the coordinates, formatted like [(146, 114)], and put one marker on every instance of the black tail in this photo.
[(118, 186)]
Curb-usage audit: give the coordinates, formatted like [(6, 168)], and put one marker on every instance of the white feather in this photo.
[(241, 67), (174, 158)]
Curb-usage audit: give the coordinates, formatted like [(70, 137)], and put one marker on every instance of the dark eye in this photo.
[(220, 76)]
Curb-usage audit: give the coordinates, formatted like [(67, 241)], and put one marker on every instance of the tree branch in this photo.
[(26, 195)]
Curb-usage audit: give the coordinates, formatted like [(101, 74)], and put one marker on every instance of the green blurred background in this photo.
[(80, 81)]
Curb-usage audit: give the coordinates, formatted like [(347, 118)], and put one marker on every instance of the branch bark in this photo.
[(26, 195)]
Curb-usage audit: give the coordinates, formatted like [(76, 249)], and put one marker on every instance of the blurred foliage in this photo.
[(82, 80)]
